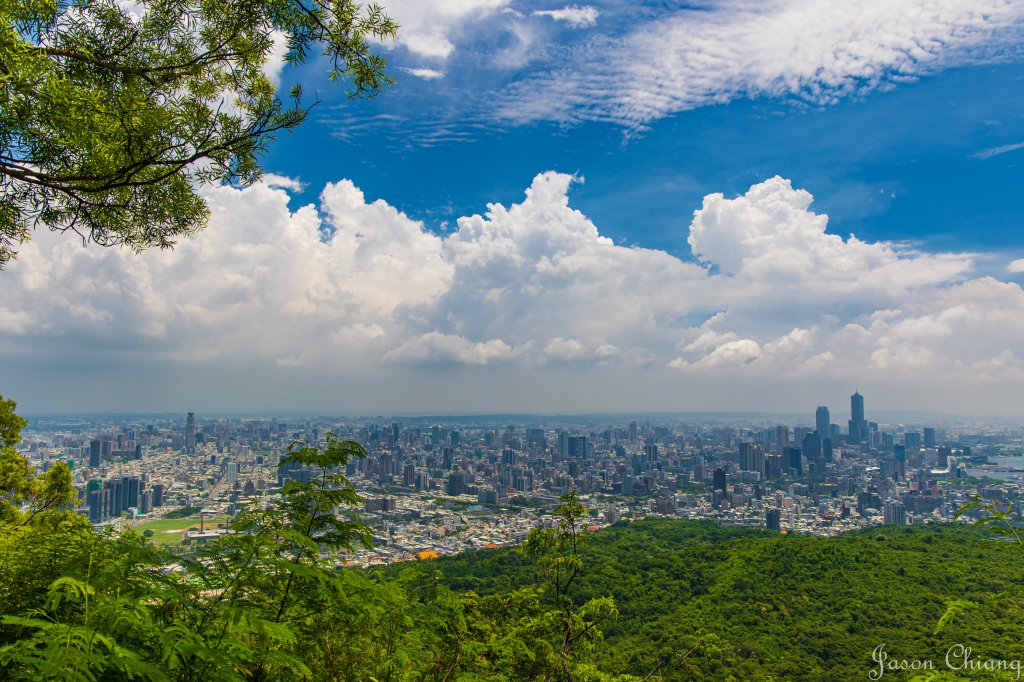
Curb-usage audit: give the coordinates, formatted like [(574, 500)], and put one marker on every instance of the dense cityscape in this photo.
[(437, 486)]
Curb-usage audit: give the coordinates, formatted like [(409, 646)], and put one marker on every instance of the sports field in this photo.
[(172, 531)]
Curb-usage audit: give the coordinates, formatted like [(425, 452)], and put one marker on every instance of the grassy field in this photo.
[(172, 531)]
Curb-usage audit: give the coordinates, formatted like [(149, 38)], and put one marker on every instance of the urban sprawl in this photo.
[(434, 486)]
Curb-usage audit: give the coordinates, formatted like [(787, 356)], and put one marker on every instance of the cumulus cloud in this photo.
[(578, 352), (769, 244), (261, 282), (541, 265), (816, 51), (353, 285), (1016, 266), (438, 349), (573, 15), (427, 26)]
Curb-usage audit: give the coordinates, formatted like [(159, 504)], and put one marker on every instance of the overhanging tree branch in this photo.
[(105, 115)]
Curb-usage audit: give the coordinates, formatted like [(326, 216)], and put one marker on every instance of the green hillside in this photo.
[(760, 606)]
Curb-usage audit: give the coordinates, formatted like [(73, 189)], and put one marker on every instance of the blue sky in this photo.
[(392, 262), (896, 165)]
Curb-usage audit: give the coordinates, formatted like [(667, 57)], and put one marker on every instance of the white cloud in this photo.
[(574, 15), (541, 265), (353, 287), (425, 74), (276, 59), (1016, 266), (729, 354), (581, 353), (427, 26), (769, 235), (435, 348), (812, 50), (996, 151), (261, 282)]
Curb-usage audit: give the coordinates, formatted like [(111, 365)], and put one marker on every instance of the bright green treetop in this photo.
[(19, 485), (112, 114)]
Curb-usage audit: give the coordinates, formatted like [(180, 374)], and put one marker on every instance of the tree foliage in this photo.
[(113, 113), (24, 496), (697, 601), (556, 552)]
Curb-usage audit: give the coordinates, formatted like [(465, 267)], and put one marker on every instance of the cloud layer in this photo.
[(354, 287), (816, 51)]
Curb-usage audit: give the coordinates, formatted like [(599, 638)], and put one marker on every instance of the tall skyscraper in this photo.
[(718, 480), (822, 422), (793, 460), (811, 447), (751, 458), (858, 425), (94, 453), (572, 446), (781, 439), (190, 433)]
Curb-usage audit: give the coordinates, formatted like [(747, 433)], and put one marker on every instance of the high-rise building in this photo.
[(781, 439), (98, 505), (773, 466), (822, 422), (929, 437), (535, 439), (793, 460), (190, 433), (810, 447), (572, 446), (858, 425), (456, 484), (867, 500), (94, 454), (894, 513), (651, 452), (826, 450), (158, 494), (751, 458), (945, 452), (131, 488), (718, 480), (773, 519)]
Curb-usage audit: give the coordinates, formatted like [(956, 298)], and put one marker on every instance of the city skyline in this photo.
[(821, 421), (734, 472), (553, 211)]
